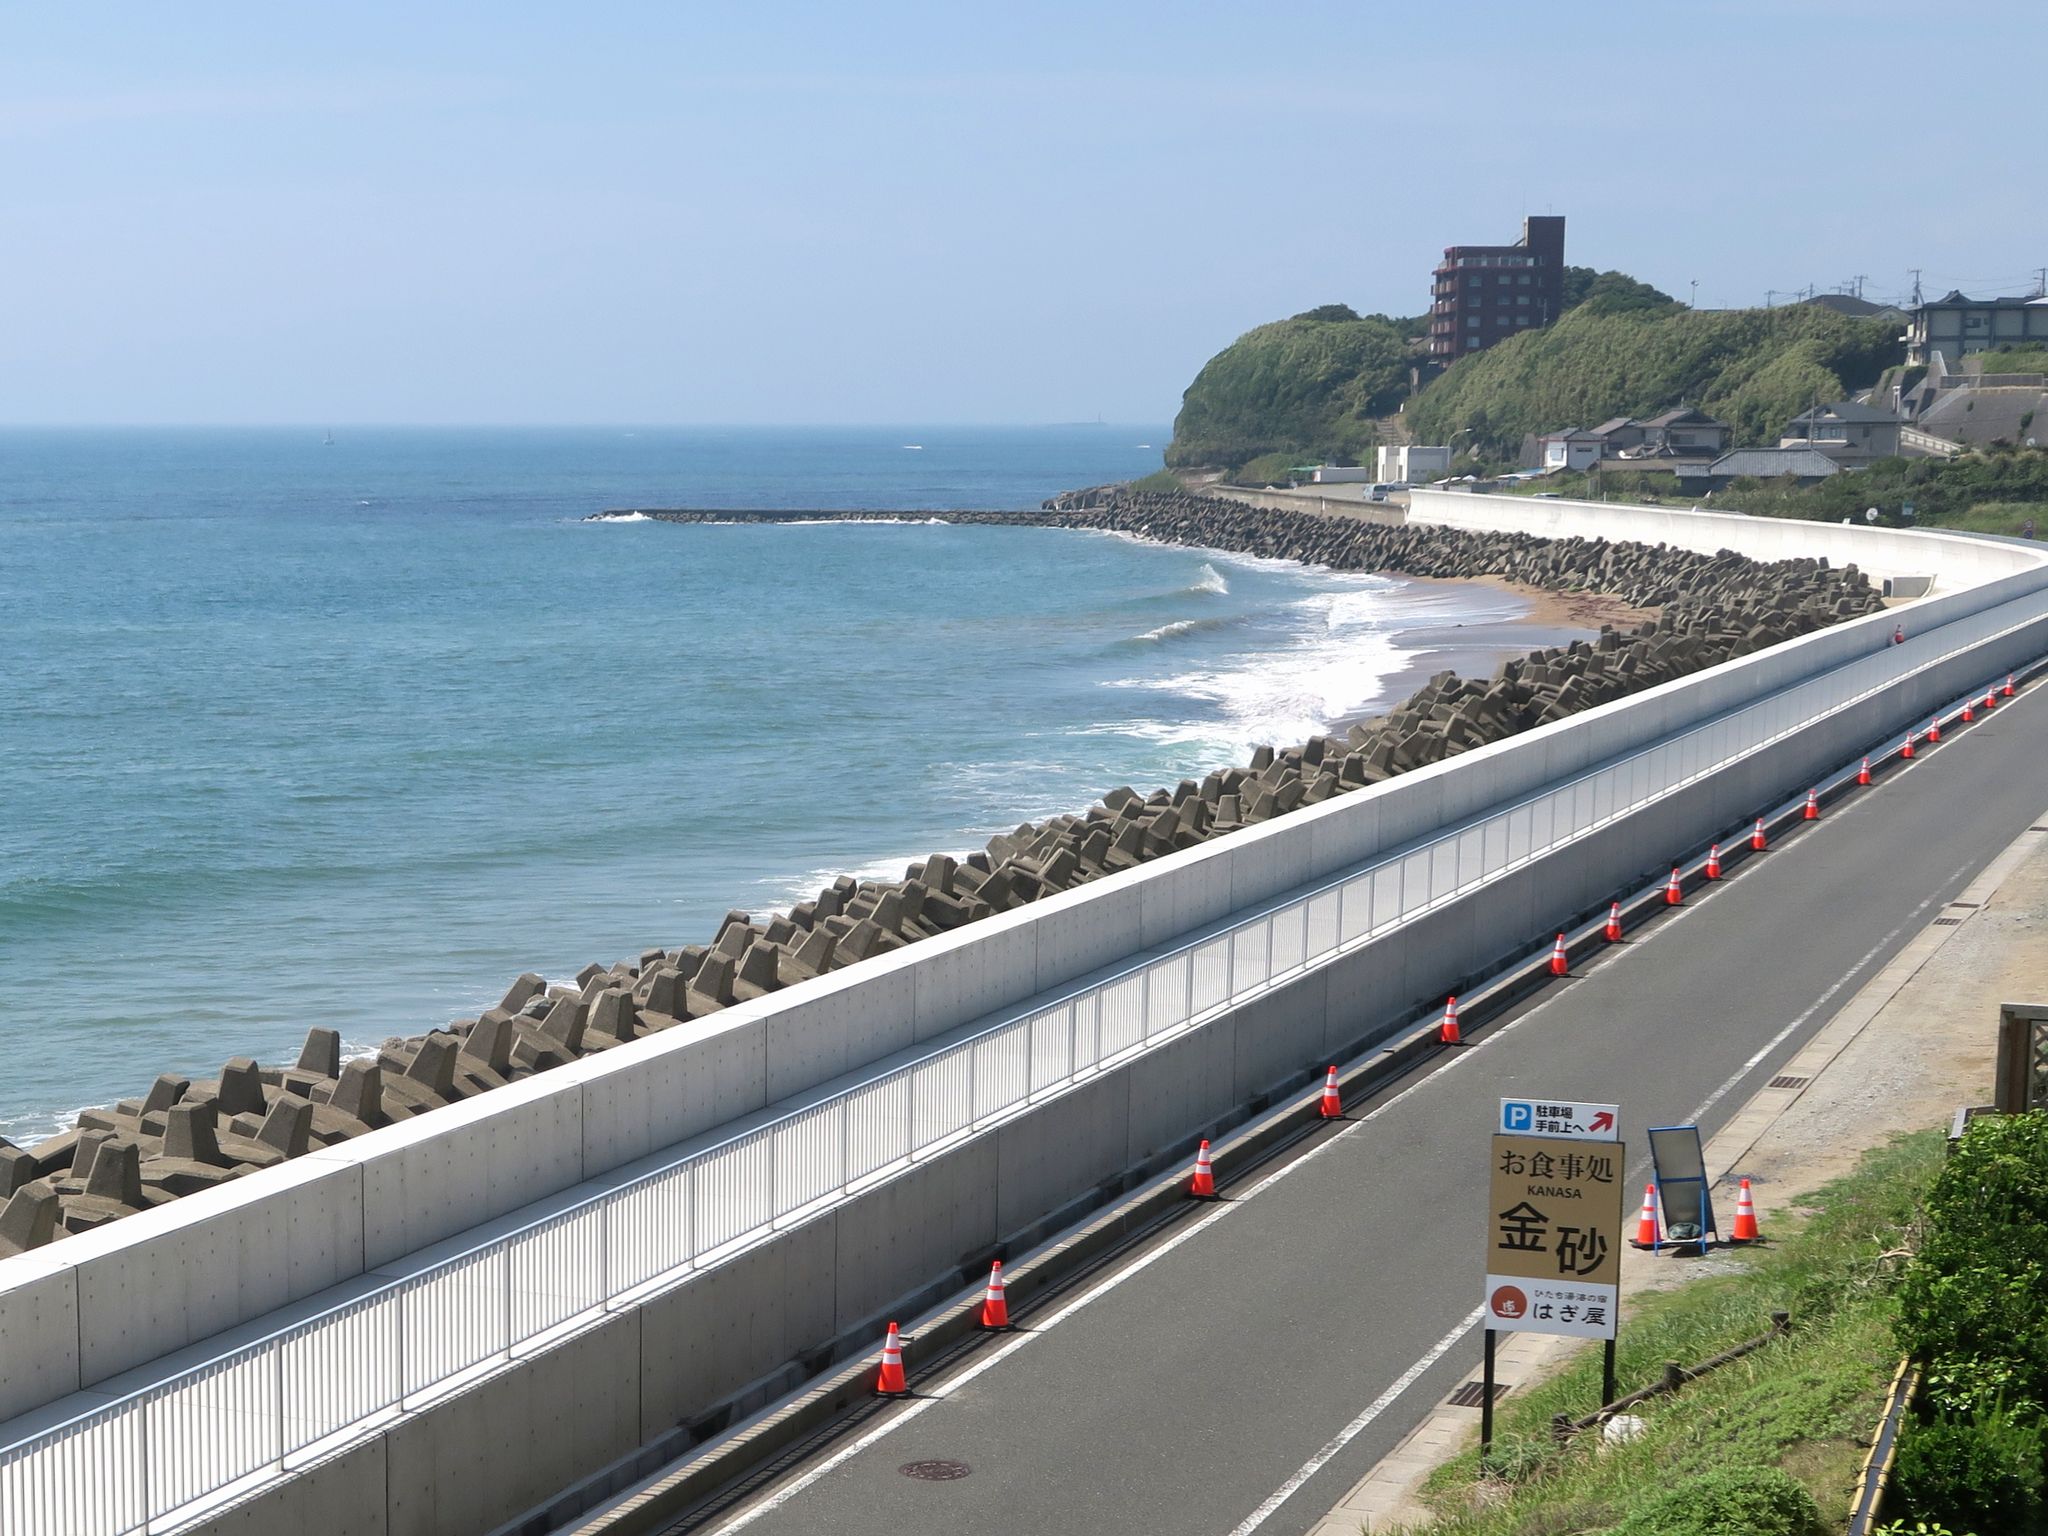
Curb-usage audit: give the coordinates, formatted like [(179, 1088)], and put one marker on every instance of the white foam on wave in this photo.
[(1211, 580), (620, 517), (1180, 627), (1340, 649)]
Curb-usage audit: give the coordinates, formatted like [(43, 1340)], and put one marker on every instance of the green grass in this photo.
[(1159, 481), (1805, 1404), (2006, 517), (2016, 360)]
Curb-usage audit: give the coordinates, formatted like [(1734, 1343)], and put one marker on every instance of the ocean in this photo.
[(299, 733)]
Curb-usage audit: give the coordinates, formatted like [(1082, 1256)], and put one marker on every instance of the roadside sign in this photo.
[(1680, 1168), (1554, 1235), (1559, 1117)]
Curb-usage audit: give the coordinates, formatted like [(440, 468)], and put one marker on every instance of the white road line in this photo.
[(1351, 1431), (1822, 1001), (1409, 1377), (946, 1389), (1380, 1404)]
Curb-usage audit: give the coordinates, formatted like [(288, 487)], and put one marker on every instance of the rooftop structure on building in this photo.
[(1956, 326), (1771, 463), (1849, 433), (1856, 308), (1487, 293)]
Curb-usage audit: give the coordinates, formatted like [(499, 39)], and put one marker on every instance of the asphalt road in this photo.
[(1186, 1390)]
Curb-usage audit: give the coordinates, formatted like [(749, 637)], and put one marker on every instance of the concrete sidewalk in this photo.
[(1914, 1043)]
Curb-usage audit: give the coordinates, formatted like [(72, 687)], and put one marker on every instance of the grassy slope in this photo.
[(1805, 1405), (1753, 368), (1306, 386)]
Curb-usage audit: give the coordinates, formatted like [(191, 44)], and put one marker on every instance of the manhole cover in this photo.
[(935, 1471)]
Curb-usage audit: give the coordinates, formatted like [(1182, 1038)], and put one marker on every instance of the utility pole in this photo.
[(2041, 282), (1771, 298), (1695, 293), (1916, 285), (1858, 282)]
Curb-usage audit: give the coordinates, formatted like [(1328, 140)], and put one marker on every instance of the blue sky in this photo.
[(898, 212)]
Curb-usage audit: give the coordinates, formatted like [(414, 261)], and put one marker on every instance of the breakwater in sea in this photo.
[(187, 1134)]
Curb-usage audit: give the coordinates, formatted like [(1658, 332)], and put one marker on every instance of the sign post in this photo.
[(1554, 1229)]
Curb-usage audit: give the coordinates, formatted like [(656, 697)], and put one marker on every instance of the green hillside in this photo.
[(1309, 385), (1753, 368)]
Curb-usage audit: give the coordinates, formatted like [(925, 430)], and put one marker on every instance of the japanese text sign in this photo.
[(1554, 1235)]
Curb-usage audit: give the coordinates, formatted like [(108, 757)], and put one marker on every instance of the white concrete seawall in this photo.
[(99, 1314)]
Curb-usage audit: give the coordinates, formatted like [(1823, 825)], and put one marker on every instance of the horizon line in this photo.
[(560, 426)]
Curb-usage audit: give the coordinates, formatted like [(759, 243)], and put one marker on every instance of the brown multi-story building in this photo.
[(1486, 293)]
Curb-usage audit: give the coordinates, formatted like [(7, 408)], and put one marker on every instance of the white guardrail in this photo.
[(164, 1454)]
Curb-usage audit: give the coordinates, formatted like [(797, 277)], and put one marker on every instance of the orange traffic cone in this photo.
[(1203, 1186), (995, 1303), (1969, 714), (1447, 1032), (1560, 962), (889, 1380), (1646, 1224), (1673, 894), (1757, 840), (1745, 1217), (1614, 922), (2008, 685), (1714, 862), (1990, 700), (1812, 805), (1907, 750), (1863, 773), (1333, 1106), (1934, 731)]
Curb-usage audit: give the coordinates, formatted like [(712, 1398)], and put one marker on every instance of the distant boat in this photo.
[(328, 440)]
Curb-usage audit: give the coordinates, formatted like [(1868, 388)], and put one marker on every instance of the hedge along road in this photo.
[(1242, 1373)]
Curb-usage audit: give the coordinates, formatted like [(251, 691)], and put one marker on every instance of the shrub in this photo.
[(1981, 1473), (1974, 1303), (1730, 1502)]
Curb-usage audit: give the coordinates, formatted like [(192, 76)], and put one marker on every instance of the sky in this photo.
[(926, 213)]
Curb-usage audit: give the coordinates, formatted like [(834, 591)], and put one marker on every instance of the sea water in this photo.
[(296, 733)]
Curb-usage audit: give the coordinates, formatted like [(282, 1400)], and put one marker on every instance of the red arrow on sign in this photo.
[(1602, 1122)]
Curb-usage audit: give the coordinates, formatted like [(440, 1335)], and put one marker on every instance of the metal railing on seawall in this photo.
[(173, 1450)]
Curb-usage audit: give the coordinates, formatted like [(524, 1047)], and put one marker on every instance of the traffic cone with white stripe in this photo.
[(1714, 862), (2008, 685), (1934, 731), (1907, 750), (1333, 1106), (1614, 922), (1447, 1032), (1812, 806), (1990, 699), (1863, 773), (1745, 1217), (1560, 962), (1203, 1185), (1646, 1224), (1757, 841), (1969, 714), (995, 1302), (889, 1380), (1674, 893)]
